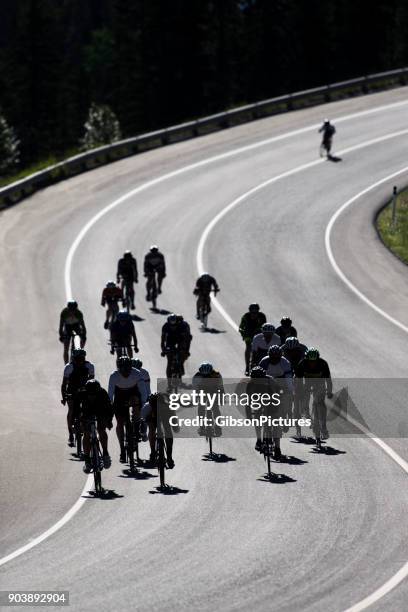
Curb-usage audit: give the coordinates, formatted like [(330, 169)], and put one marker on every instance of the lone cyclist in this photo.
[(251, 324), (328, 132), (71, 320), (203, 287), (154, 264), (127, 273), (150, 415)]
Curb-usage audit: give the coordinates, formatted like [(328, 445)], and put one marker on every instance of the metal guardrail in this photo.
[(13, 193)]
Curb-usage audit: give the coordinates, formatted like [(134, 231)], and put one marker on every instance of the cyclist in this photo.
[(149, 415), (126, 388), (71, 320), (328, 130), (137, 363), (293, 351), (96, 402), (122, 333), (175, 337), (251, 324), (74, 378), (203, 287), (313, 373), (260, 384), (110, 297), (261, 342), (154, 264), (127, 274), (210, 381), (277, 366), (286, 329)]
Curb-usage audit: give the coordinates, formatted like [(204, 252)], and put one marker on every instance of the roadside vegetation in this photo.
[(395, 236)]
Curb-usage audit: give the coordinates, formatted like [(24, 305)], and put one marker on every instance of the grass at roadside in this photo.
[(396, 239), (41, 165)]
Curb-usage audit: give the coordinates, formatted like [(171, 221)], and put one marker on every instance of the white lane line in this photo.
[(68, 262), (403, 572), (333, 262), (204, 162), (63, 521)]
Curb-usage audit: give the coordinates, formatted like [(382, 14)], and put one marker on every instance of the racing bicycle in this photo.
[(95, 455), (132, 437), (175, 369)]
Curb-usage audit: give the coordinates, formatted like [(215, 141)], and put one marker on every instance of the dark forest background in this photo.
[(159, 62)]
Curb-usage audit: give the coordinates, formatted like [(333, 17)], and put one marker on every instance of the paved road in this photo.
[(331, 534)]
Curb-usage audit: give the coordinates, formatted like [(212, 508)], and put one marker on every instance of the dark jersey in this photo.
[(286, 332), (98, 405), (205, 283), (295, 355), (154, 262), (127, 268), (250, 326)]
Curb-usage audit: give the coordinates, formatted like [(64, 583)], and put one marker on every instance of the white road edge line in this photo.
[(403, 572), (68, 262)]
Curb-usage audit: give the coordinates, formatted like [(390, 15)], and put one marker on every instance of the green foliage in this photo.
[(101, 128), (9, 147), (396, 238), (158, 62)]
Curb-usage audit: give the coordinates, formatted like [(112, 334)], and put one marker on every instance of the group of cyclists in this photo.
[(274, 359)]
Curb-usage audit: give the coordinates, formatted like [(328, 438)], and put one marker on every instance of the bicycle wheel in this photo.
[(129, 445), (210, 444), (154, 293), (161, 462), (78, 438), (316, 422), (96, 467)]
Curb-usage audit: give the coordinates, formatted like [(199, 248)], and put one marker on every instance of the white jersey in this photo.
[(260, 344), (69, 368), (282, 369), (135, 379)]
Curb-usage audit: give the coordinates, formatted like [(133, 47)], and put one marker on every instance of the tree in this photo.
[(102, 127), (9, 147)]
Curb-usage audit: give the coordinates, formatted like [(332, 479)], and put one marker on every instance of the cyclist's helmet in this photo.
[(123, 315), (327, 121), (72, 304), (291, 342), (286, 321), (172, 319), (312, 354), (275, 351), (154, 248), (180, 318), (268, 328), (205, 368), (253, 308), (127, 254), (258, 372), (124, 363), (110, 284), (137, 363), (92, 386), (79, 353)]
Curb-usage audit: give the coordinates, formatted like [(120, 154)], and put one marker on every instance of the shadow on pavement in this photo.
[(217, 458), (106, 494), (136, 317), (275, 478), (168, 490), (292, 460), (160, 311), (334, 159), (212, 330)]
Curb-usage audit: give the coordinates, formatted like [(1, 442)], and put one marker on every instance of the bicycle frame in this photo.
[(175, 369), (132, 430)]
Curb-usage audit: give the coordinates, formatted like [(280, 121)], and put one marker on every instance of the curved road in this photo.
[(335, 531)]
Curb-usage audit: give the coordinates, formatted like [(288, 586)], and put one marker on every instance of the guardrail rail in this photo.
[(13, 193)]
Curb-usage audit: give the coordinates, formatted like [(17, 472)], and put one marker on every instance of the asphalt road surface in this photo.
[(332, 530)]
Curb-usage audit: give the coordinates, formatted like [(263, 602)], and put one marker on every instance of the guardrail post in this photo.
[(394, 207)]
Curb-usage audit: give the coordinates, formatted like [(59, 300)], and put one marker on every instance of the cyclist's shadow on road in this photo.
[(160, 311), (212, 330), (136, 318), (334, 158), (217, 458), (106, 494), (168, 490), (276, 478), (328, 450)]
